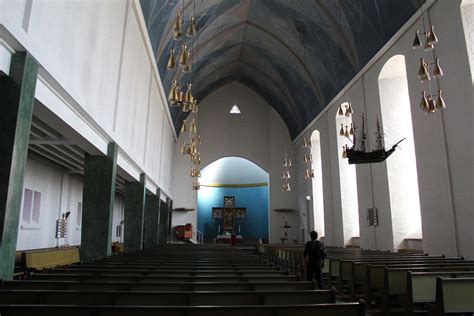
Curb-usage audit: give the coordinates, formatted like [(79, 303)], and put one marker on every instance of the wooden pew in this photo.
[(354, 271), (49, 258), (421, 288), (375, 281), (170, 272), (346, 309), (453, 297), (167, 278), (181, 298), (158, 286)]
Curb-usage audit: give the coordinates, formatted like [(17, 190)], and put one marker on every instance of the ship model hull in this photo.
[(363, 157)]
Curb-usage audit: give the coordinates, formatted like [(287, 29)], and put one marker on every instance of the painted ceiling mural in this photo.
[(296, 54)]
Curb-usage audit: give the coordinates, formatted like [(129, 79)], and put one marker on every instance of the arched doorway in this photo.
[(247, 184)]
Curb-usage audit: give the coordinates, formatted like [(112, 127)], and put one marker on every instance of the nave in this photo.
[(182, 279)]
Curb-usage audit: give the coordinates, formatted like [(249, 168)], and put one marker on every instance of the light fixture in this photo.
[(428, 39), (171, 61), (178, 27), (286, 176), (183, 56), (431, 37), (437, 72), (423, 73), (184, 127), (417, 41), (191, 32), (344, 152), (235, 109), (440, 101), (424, 106)]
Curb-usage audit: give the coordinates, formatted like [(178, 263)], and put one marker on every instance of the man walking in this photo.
[(314, 254)]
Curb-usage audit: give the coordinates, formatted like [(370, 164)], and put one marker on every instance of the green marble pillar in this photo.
[(170, 213), (152, 209), (98, 204), (163, 230), (133, 214), (17, 95)]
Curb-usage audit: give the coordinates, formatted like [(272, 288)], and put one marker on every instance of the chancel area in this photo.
[(230, 157)]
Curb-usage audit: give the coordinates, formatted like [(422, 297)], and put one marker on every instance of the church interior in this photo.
[(173, 157)]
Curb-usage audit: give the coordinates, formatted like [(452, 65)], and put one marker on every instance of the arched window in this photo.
[(348, 183), (318, 203), (467, 13), (401, 165)]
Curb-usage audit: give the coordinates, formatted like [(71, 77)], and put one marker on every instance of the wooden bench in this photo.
[(170, 272), (421, 288), (158, 286), (168, 278), (50, 258), (453, 297), (346, 309), (353, 272), (182, 298), (375, 282)]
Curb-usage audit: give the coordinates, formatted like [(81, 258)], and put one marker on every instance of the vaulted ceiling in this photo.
[(296, 54)]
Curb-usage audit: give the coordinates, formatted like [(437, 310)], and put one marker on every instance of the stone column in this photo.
[(170, 213), (163, 230), (152, 209), (134, 214), (98, 204), (17, 94)]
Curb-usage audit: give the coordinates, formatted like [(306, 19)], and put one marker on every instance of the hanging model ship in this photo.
[(360, 152)]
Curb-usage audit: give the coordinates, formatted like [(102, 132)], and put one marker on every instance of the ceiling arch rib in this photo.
[(309, 49)]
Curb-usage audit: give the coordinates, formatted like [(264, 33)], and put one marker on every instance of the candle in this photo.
[(239, 229), (219, 229)]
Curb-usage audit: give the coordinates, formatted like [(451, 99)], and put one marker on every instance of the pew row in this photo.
[(168, 278), (346, 309), (158, 286)]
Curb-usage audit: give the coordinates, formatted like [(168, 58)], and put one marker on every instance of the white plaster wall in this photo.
[(443, 144), (60, 192), (98, 74), (258, 134)]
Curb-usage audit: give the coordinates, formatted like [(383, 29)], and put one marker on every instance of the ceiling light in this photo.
[(235, 109)]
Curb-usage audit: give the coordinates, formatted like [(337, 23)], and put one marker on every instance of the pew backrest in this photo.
[(455, 295)]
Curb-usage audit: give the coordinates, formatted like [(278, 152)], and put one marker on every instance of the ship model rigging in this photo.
[(361, 152)]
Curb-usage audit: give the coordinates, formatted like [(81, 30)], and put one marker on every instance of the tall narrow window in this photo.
[(348, 184), (79, 215), (318, 203), (31, 207), (467, 13), (401, 165)]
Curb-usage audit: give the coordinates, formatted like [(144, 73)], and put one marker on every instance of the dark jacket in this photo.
[(315, 252)]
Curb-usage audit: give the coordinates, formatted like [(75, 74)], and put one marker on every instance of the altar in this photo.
[(227, 215), (226, 239)]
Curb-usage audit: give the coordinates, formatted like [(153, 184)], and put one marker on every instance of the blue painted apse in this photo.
[(255, 199)]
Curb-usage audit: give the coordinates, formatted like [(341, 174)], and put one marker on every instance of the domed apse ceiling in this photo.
[(296, 54)]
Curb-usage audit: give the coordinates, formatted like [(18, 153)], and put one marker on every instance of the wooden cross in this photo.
[(229, 213)]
